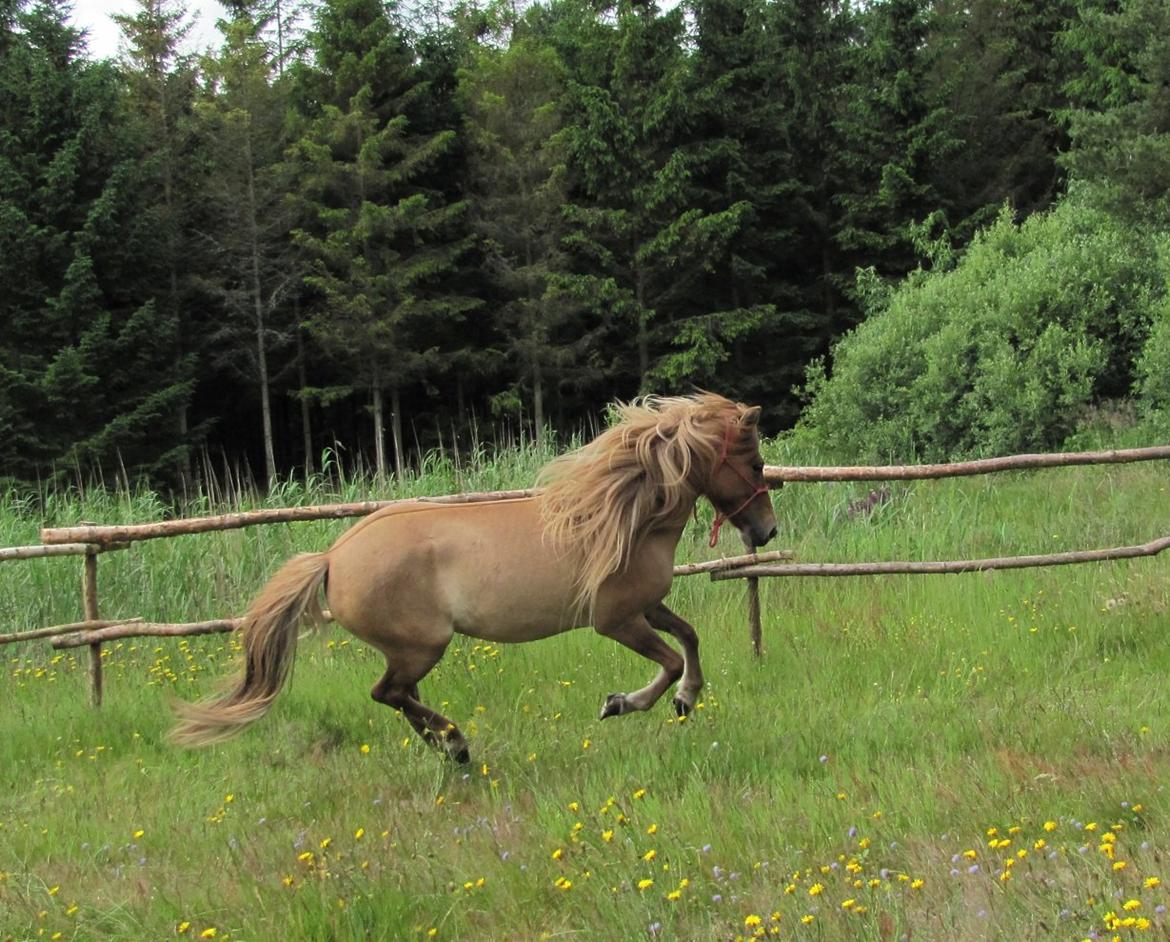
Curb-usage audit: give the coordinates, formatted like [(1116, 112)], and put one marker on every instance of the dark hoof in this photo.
[(462, 755), (615, 705), (681, 707)]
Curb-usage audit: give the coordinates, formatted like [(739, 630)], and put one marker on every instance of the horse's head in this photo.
[(735, 484)]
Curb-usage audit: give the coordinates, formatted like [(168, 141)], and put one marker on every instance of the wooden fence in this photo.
[(89, 541)]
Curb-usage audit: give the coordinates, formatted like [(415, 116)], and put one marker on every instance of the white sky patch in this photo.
[(105, 38)]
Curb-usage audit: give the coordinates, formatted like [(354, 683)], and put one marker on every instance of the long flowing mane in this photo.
[(599, 500)]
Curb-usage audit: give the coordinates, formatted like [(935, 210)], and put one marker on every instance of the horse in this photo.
[(594, 546)]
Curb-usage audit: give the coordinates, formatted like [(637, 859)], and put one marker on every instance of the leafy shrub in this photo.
[(1001, 354)]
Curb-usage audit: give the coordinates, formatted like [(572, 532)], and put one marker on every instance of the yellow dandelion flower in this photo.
[(359, 834), (305, 856), (674, 895), (653, 829), (1142, 924), (863, 843), (1091, 826), (558, 853), (917, 884), (639, 794), (432, 932), (287, 881), (365, 749), (607, 835), (752, 921), (1040, 844), (807, 919), (790, 889), (54, 890), (1119, 865), (1050, 825), (574, 807), (1131, 904), (645, 884), (182, 927), (209, 933), (848, 903), (816, 889), (1151, 882), (650, 855), (138, 833)]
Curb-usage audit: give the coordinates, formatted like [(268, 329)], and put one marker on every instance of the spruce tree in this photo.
[(518, 179), (379, 238)]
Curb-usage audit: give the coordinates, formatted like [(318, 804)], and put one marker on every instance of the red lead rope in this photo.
[(720, 516)]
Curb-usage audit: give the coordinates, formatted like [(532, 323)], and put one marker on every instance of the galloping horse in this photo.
[(595, 546)]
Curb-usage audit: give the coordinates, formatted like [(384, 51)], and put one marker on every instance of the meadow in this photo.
[(914, 757)]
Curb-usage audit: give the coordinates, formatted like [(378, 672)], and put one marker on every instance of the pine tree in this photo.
[(1118, 63), (82, 373), (242, 114), (162, 88), (627, 202), (895, 136), (378, 238), (518, 178)]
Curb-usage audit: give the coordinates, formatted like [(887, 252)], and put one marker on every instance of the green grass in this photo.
[(891, 723)]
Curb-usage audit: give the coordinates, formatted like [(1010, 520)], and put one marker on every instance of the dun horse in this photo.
[(595, 546)]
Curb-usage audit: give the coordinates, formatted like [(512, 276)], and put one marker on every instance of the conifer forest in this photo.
[(911, 228)]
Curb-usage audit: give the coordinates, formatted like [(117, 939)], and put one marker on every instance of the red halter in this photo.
[(720, 516)]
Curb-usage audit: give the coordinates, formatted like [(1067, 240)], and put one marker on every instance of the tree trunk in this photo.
[(643, 333), (538, 399), (258, 308), (303, 382), (379, 429), (396, 430)]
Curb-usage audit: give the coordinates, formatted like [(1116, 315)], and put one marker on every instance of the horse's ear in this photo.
[(751, 417)]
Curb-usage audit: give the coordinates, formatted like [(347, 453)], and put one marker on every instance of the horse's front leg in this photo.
[(637, 635), (664, 619)]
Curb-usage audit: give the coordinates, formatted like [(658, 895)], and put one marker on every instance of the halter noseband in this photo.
[(720, 516)]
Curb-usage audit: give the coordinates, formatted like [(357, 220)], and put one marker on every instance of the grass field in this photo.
[(940, 757)]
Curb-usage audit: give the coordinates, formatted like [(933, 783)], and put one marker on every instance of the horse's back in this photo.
[(419, 572)]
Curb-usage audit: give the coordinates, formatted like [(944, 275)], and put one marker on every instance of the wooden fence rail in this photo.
[(932, 567), (133, 533), (776, 475)]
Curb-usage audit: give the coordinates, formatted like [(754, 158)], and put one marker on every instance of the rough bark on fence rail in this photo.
[(940, 566), (60, 549), (33, 633), (776, 475), (730, 562), (140, 629), (130, 533), (119, 631)]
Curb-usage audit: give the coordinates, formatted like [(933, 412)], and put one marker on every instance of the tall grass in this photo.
[(891, 723)]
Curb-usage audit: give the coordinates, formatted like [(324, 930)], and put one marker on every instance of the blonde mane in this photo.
[(598, 501)]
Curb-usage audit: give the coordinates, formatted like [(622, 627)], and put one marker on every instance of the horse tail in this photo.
[(270, 641)]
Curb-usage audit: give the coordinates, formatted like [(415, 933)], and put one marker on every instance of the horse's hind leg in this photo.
[(398, 688), (637, 635), (664, 619)]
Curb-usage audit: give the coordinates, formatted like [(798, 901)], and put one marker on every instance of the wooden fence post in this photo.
[(89, 601), (753, 597)]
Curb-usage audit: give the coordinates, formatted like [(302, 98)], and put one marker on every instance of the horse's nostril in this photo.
[(771, 535)]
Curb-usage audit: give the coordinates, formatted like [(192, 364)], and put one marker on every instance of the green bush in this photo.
[(1002, 354)]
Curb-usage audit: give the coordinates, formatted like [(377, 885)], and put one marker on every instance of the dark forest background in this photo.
[(381, 229)]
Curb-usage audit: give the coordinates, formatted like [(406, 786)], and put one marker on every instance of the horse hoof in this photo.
[(681, 707), (615, 705)]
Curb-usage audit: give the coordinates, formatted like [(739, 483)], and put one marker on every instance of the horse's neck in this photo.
[(672, 525)]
